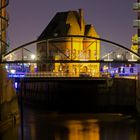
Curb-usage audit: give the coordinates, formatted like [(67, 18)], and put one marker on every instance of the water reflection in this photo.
[(10, 134), (39, 125), (83, 130)]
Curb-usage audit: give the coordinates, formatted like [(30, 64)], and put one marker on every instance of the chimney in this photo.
[(81, 18)]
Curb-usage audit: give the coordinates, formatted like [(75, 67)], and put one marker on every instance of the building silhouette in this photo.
[(69, 48)]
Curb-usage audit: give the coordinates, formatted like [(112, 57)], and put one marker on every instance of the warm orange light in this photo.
[(83, 130)]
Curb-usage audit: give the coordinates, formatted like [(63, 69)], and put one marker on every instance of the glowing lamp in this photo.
[(33, 56)]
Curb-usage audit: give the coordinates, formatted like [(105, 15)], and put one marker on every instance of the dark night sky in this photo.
[(112, 19)]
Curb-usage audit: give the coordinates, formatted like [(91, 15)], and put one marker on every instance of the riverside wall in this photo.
[(138, 89), (83, 94), (9, 110)]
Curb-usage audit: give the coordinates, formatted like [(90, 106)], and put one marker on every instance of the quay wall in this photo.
[(83, 95), (138, 89), (9, 111)]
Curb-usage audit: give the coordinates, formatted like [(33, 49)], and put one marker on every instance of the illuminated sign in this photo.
[(16, 75)]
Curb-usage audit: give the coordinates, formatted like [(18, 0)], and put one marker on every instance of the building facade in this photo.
[(136, 24), (8, 100), (3, 26), (61, 47)]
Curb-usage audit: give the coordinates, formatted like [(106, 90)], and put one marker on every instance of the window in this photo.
[(131, 70), (74, 54), (89, 54), (95, 53), (67, 52)]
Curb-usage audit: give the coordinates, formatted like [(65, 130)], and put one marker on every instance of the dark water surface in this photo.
[(41, 125)]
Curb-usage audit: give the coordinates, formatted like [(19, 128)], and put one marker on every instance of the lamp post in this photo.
[(32, 65)]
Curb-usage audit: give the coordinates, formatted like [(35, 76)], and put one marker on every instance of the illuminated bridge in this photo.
[(72, 56)]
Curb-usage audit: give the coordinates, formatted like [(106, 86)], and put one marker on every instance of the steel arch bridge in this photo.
[(110, 51), (54, 52)]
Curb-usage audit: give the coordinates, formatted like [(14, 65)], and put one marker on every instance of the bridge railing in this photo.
[(63, 75), (49, 74)]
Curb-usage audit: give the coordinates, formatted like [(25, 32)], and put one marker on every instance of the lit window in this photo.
[(67, 52), (89, 54), (95, 53), (74, 54)]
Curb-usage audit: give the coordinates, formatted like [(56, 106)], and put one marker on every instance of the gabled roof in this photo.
[(90, 30), (52, 28), (87, 28), (57, 26)]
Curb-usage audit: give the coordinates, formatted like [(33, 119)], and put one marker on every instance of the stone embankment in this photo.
[(9, 111)]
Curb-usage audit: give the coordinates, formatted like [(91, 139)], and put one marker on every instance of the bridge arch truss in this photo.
[(109, 51), (74, 51)]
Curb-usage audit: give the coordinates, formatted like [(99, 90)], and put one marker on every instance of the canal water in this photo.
[(41, 125)]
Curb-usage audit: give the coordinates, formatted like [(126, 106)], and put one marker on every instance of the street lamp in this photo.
[(33, 56), (119, 56)]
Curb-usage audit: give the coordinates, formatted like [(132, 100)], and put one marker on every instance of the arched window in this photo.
[(67, 52), (95, 53), (85, 69), (80, 54), (89, 54), (74, 53), (60, 67)]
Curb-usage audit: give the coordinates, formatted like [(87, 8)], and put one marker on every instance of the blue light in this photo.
[(16, 75), (16, 85)]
